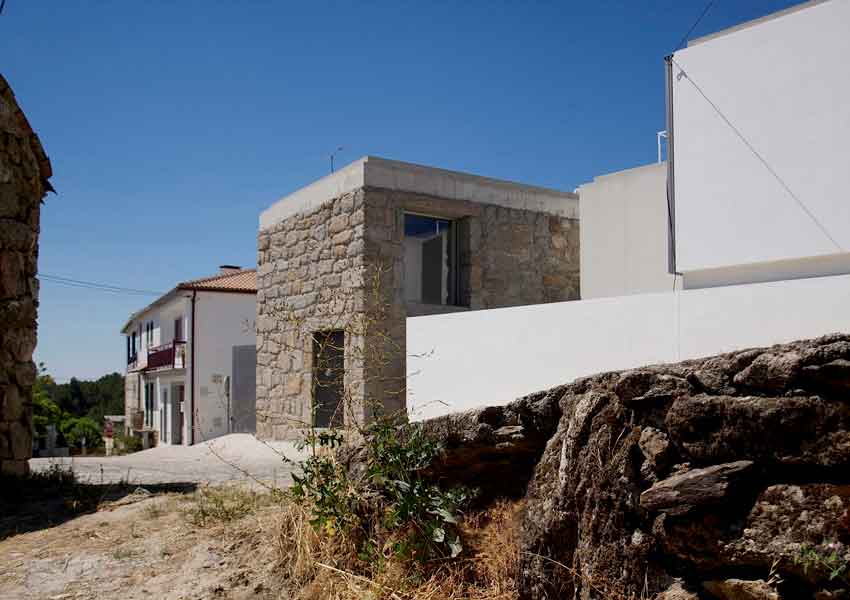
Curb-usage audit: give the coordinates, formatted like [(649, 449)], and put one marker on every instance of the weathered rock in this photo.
[(677, 592), (779, 415), (495, 449), (770, 372), (655, 447), (801, 526), (794, 431), (740, 589), (697, 489)]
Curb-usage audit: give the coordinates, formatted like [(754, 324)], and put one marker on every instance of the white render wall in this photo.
[(783, 83), (466, 360), (224, 320), (624, 233)]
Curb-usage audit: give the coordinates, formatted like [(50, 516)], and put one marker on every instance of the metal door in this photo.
[(243, 390)]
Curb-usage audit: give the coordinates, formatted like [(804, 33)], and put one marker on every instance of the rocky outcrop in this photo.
[(727, 477), (721, 478), (495, 449), (24, 170)]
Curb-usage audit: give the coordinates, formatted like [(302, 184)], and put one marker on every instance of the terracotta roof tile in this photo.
[(244, 280)]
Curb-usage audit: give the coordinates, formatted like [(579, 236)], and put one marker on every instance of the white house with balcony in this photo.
[(191, 361), (740, 238)]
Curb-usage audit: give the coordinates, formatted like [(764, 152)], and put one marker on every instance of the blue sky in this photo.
[(172, 125)]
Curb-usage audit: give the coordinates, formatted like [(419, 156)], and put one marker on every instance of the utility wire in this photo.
[(761, 159), (104, 287), (694, 26)]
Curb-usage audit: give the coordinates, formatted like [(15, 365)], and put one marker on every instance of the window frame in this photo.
[(453, 284)]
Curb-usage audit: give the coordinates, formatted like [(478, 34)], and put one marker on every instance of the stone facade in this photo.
[(24, 170), (310, 277), (339, 265)]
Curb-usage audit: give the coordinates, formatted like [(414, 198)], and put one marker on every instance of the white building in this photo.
[(740, 239), (191, 361)]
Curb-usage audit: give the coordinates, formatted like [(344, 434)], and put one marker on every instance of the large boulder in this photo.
[(725, 477)]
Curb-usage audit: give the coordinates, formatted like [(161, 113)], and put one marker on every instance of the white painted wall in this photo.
[(624, 233), (783, 83), (466, 360), (224, 320)]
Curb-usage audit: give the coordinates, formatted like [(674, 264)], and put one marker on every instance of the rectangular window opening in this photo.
[(328, 378), (431, 260)]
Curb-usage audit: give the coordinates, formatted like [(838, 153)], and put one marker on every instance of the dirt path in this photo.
[(221, 460), (141, 548)]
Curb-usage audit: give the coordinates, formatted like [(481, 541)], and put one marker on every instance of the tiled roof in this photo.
[(244, 280)]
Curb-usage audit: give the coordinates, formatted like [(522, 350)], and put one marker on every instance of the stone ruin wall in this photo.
[(23, 172)]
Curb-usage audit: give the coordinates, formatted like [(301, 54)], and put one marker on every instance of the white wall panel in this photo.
[(466, 360), (784, 83)]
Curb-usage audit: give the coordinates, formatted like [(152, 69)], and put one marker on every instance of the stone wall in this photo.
[(24, 170), (309, 278), (341, 266)]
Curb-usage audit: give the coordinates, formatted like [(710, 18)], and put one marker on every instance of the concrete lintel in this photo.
[(371, 171)]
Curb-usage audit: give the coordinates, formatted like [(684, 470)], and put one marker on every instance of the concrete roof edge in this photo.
[(646, 167), (377, 172)]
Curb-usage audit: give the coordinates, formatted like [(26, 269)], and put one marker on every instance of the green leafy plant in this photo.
[(324, 484), (392, 509), (811, 559)]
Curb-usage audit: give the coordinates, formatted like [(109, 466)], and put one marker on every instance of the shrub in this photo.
[(127, 444), (392, 510)]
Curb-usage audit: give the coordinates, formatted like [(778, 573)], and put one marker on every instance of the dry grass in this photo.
[(314, 566), (222, 504)]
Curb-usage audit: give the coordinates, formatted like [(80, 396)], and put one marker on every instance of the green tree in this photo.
[(44, 410), (76, 429)]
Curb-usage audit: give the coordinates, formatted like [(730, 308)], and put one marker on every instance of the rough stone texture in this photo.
[(677, 592), (686, 480), (739, 589), (311, 277), (24, 170), (720, 469), (341, 266)]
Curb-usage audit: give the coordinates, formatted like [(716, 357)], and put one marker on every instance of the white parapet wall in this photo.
[(466, 360)]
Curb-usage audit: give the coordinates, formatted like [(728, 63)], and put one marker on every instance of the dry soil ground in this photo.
[(143, 546)]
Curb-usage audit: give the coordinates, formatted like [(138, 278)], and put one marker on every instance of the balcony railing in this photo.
[(171, 356)]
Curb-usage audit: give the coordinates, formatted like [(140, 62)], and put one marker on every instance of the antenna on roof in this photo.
[(334, 153)]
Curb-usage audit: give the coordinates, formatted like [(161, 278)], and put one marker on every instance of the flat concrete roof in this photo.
[(630, 170), (751, 23), (371, 171)]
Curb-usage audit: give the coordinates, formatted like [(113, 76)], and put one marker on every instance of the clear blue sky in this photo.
[(171, 125)]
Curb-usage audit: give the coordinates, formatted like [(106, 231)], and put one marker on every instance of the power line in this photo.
[(92, 285), (755, 152), (694, 26)]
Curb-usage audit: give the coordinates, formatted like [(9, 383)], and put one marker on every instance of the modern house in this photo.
[(344, 262), (191, 361), (740, 238)]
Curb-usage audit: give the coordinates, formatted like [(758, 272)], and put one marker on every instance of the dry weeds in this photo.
[(313, 566)]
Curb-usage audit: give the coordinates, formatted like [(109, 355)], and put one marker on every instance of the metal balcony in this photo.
[(168, 356)]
